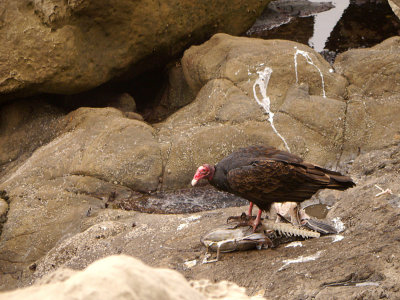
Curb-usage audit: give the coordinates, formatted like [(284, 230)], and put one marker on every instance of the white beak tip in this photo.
[(194, 182)]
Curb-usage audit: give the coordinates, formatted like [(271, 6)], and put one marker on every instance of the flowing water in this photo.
[(349, 24)]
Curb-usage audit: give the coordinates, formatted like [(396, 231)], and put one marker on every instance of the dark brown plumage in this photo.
[(264, 175)]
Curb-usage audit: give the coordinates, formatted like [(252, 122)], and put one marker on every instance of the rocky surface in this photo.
[(395, 5), (361, 261), (68, 168), (66, 47), (374, 96)]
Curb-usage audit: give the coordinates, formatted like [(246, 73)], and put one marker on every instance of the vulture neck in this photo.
[(218, 178), (212, 172)]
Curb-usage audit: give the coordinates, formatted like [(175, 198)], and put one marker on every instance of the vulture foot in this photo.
[(246, 220)]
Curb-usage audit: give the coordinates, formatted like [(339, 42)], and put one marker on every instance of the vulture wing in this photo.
[(278, 179)]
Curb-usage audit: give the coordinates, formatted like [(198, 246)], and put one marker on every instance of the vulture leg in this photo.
[(250, 209), (257, 221)]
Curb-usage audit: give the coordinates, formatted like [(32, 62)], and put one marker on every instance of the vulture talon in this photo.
[(242, 218)]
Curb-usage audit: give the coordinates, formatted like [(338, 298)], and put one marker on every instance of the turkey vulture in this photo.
[(263, 175)]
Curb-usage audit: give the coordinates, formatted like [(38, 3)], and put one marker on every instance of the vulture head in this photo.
[(204, 171)]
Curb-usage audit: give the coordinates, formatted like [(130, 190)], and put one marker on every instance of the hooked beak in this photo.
[(194, 182)]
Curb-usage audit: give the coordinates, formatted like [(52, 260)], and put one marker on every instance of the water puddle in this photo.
[(179, 201), (330, 27), (318, 211)]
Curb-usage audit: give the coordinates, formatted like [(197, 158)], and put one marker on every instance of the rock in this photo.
[(3, 207), (372, 113), (368, 70), (239, 60), (225, 114), (69, 47), (134, 116), (26, 125), (364, 260), (395, 5), (95, 157), (64, 181), (176, 94), (134, 280), (115, 277), (223, 290), (281, 12), (100, 97)]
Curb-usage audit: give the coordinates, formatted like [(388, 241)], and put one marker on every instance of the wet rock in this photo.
[(178, 201), (281, 12), (70, 47)]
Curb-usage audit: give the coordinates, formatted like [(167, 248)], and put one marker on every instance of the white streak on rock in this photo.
[(338, 224), (309, 60), (190, 264), (368, 283), (300, 259), (265, 102), (337, 238), (294, 244), (187, 221)]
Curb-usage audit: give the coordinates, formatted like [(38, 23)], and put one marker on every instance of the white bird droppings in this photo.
[(265, 102), (337, 238), (338, 224), (300, 259), (190, 264), (187, 220), (309, 60), (294, 244)]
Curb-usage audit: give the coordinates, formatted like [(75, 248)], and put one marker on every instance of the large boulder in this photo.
[(66, 47), (372, 72), (99, 153), (228, 74), (115, 277), (124, 277), (372, 119)]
